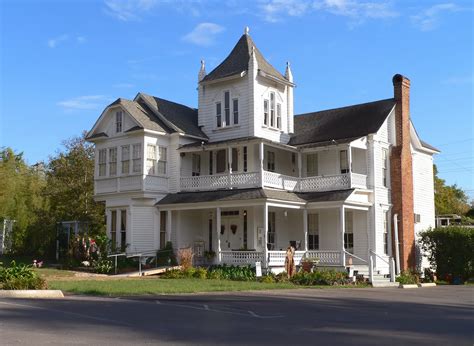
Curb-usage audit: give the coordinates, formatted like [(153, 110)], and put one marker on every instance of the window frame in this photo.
[(163, 217), (113, 161), (349, 231), (271, 245), (226, 108), (344, 159), (123, 229), (266, 107), (314, 158), (385, 167), (162, 164), (151, 159), (137, 159), (113, 229), (118, 121), (219, 114), (270, 161), (195, 165), (235, 110), (313, 231), (125, 159), (278, 116), (386, 222), (102, 162)]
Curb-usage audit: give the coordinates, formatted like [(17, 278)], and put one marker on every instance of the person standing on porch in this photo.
[(290, 261)]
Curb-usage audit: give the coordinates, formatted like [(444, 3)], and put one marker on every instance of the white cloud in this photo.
[(127, 10), (204, 34), (357, 11), (428, 19), (54, 42), (87, 102)]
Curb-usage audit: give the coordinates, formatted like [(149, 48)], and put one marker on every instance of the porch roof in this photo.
[(253, 194)]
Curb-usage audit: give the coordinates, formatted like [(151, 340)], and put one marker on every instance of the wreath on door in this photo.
[(222, 229), (233, 228)]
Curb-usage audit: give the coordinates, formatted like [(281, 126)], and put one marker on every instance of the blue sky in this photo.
[(62, 62)]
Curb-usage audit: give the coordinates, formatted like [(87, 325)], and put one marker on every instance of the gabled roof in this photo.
[(252, 194), (182, 118), (238, 61), (429, 146), (341, 124)]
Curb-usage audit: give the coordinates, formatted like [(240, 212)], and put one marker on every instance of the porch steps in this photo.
[(381, 280)]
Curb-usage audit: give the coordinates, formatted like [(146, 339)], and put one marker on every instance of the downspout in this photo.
[(397, 245)]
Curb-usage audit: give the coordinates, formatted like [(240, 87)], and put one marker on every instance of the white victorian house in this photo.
[(244, 177)]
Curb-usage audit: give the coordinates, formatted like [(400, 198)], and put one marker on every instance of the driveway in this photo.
[(425, 316)]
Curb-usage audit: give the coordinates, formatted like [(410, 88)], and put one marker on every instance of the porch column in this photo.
[(229, 162), (305, 229), (265, 229), (261, 157), (218, 229), (168, 226), (300, 169), (342, 221)]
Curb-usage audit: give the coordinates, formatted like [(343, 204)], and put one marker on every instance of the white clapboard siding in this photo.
[(143, 229)]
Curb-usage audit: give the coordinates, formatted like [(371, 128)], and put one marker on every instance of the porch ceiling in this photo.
[(253, 194)]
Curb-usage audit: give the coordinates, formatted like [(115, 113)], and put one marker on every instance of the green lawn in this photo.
[(137, 286)]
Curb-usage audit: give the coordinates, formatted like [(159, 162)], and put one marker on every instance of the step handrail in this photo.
[(352, 255), (376, 254)]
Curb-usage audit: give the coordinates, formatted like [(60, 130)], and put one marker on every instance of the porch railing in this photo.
[(280, 181), (135, 182), (241, 257), (326, 257)]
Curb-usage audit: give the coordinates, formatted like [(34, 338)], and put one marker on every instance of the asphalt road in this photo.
[(423, 316)]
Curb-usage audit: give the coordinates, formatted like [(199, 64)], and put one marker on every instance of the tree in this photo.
[(449, 199)]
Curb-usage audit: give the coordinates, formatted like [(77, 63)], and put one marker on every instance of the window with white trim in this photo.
[(227, 108), (272, 109), (162, 229), (150, 158), (235, 159), (125, 159), (278, 120), (271, 245), (118, 121), (349, 232), (137, 158), (343, 160), (102, 162), (313, 231), (113, 229), (162, 160), (265, 112), (271, 161), (219, 114), (123, 229), (385, 232), (196, 165), (112, 161), (235, 110), (312, 165), (385, 167), (221, 161)]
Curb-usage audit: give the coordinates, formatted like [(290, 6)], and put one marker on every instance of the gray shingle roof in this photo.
[(146, 119), (250, 194), (341, 123), (429, 146), (238, 61), (182, 117)]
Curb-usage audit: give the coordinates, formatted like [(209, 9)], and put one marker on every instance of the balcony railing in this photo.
[(127, 183), (274, 180)]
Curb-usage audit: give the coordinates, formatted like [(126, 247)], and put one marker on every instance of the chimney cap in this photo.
[(398, 78)]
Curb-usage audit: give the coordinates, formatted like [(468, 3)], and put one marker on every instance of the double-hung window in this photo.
[(227, 108), (118, 121), (125, 159), (102, 162), (385, 167), (137, 158), (162, 229), (265, 112), (313, 231), (113, 161), (123, 229), (271, 161), (349, 232), (271, 245), (150, 158), (278, 122), (113, 229), (219, 114), (196, 165), (343, 161), (272, 109), (162, 160), (312, 165), (235, 109), (385, 232)]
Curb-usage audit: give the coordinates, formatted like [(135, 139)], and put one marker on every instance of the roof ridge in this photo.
[(340, 108), (169, 101)]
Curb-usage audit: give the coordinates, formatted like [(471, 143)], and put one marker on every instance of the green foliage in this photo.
[(103, 266), (166, 256), (238, 273), (20, 277), (450, 251), (320, 277), (200, 273), (449, 199), (408, 277)]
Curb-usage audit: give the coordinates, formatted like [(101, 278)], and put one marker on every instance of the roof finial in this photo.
[(246, 30), (202, 71)]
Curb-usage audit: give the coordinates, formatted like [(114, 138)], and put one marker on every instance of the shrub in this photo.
[(173, 274), (185, 257), (268, 279), (320, 277), (20, 277), (200, 273), (450, 251), (237, 273), (408, 277), (103, 266)]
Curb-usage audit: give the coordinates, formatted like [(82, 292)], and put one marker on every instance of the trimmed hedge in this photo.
[(450, 251), (320, 277)]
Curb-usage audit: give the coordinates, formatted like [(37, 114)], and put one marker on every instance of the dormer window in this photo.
[(230, 116), (227, 107), (272, 112), (118, 121), (235, 108), (219, 114), (272, 109)]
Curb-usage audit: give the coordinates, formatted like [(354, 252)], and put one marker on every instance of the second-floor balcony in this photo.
[(274, 180)]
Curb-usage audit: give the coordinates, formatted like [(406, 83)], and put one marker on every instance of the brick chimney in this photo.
[(402, 173)]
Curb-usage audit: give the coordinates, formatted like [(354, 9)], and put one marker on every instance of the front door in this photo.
[(232, 236)]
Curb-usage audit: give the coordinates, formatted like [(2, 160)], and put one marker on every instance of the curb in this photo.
[(428, 284), (31, 294), (409, 286)]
